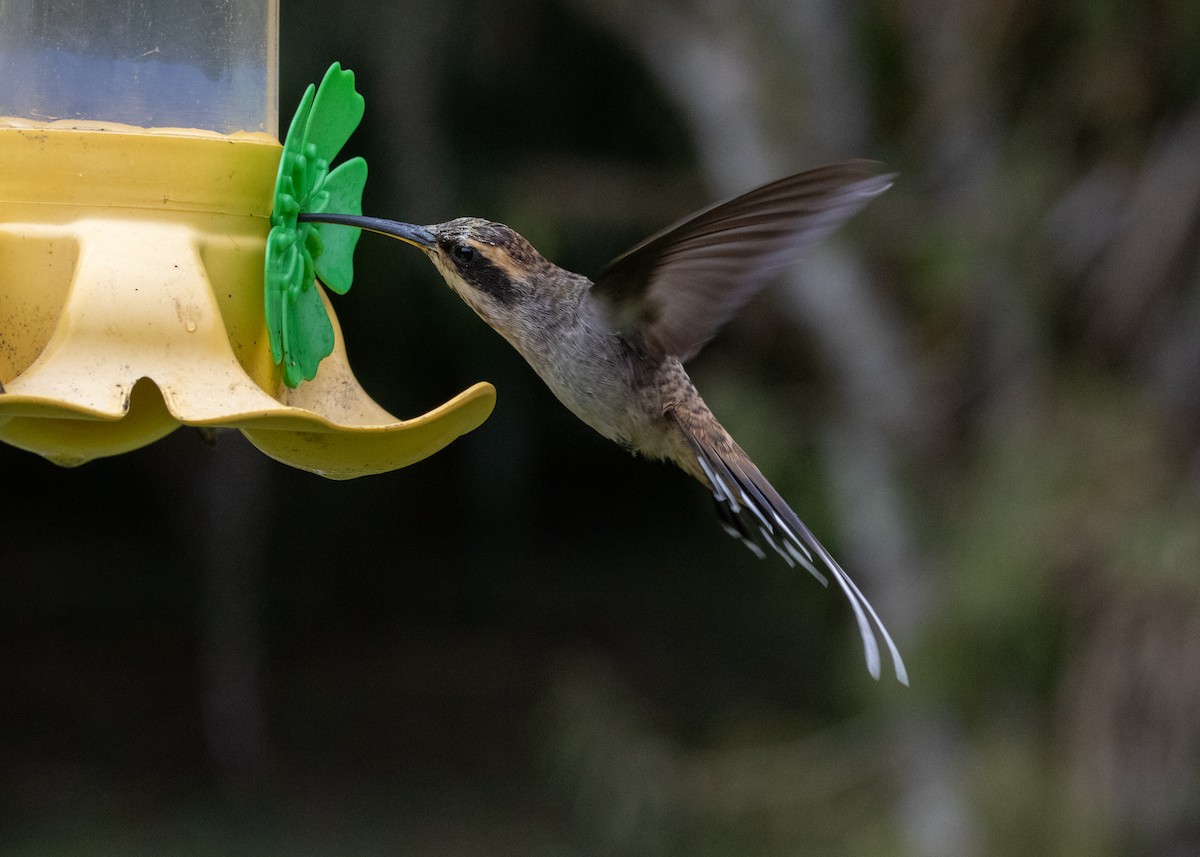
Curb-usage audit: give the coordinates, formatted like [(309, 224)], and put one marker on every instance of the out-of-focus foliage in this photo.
[(985, 395)]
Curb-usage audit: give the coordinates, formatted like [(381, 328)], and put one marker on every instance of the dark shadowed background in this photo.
[(984, 395)]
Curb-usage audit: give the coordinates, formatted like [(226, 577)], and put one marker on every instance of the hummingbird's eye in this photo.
[(463, 253)]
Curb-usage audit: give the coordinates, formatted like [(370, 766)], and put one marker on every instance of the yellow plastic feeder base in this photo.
[(131, 303)]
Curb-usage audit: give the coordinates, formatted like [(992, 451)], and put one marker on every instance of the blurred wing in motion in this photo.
[(673, 292)]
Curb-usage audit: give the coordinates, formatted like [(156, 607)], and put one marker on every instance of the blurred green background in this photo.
[(984, 395)]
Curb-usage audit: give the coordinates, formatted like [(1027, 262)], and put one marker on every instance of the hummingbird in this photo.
[(613, 349)]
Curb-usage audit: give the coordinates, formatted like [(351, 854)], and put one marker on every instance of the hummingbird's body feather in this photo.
[(613, 351)]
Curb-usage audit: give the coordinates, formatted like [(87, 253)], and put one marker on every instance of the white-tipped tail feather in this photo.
[(752, 511)]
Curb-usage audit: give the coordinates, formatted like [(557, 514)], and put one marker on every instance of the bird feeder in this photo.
[(139, 170)]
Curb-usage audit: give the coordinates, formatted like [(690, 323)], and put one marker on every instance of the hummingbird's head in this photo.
[(499, 274), (490, 266)]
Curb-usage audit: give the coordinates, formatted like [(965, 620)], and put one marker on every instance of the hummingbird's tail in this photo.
[(753, 511)]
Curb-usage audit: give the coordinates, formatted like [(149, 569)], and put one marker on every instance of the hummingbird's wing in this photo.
[(752, 510), (675, 290)]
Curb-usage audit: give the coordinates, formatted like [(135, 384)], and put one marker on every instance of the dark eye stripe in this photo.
[(478, 270), (489, 279)]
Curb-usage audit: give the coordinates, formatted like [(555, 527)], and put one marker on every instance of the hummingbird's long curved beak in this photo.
[(418, 236)]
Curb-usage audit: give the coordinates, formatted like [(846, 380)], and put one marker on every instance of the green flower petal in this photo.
[(335, 265), (308, 336), (283, 268), (286, 204), (336, 112)]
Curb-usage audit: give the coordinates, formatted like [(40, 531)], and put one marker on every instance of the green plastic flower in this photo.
[(297, 254)]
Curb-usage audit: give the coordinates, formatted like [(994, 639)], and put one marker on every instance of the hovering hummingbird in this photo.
[(613, 350)]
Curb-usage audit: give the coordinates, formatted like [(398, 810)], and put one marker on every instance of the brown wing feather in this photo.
[(675, 290)]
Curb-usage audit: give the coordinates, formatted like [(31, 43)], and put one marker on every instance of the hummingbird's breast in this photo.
[(604, 381)]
